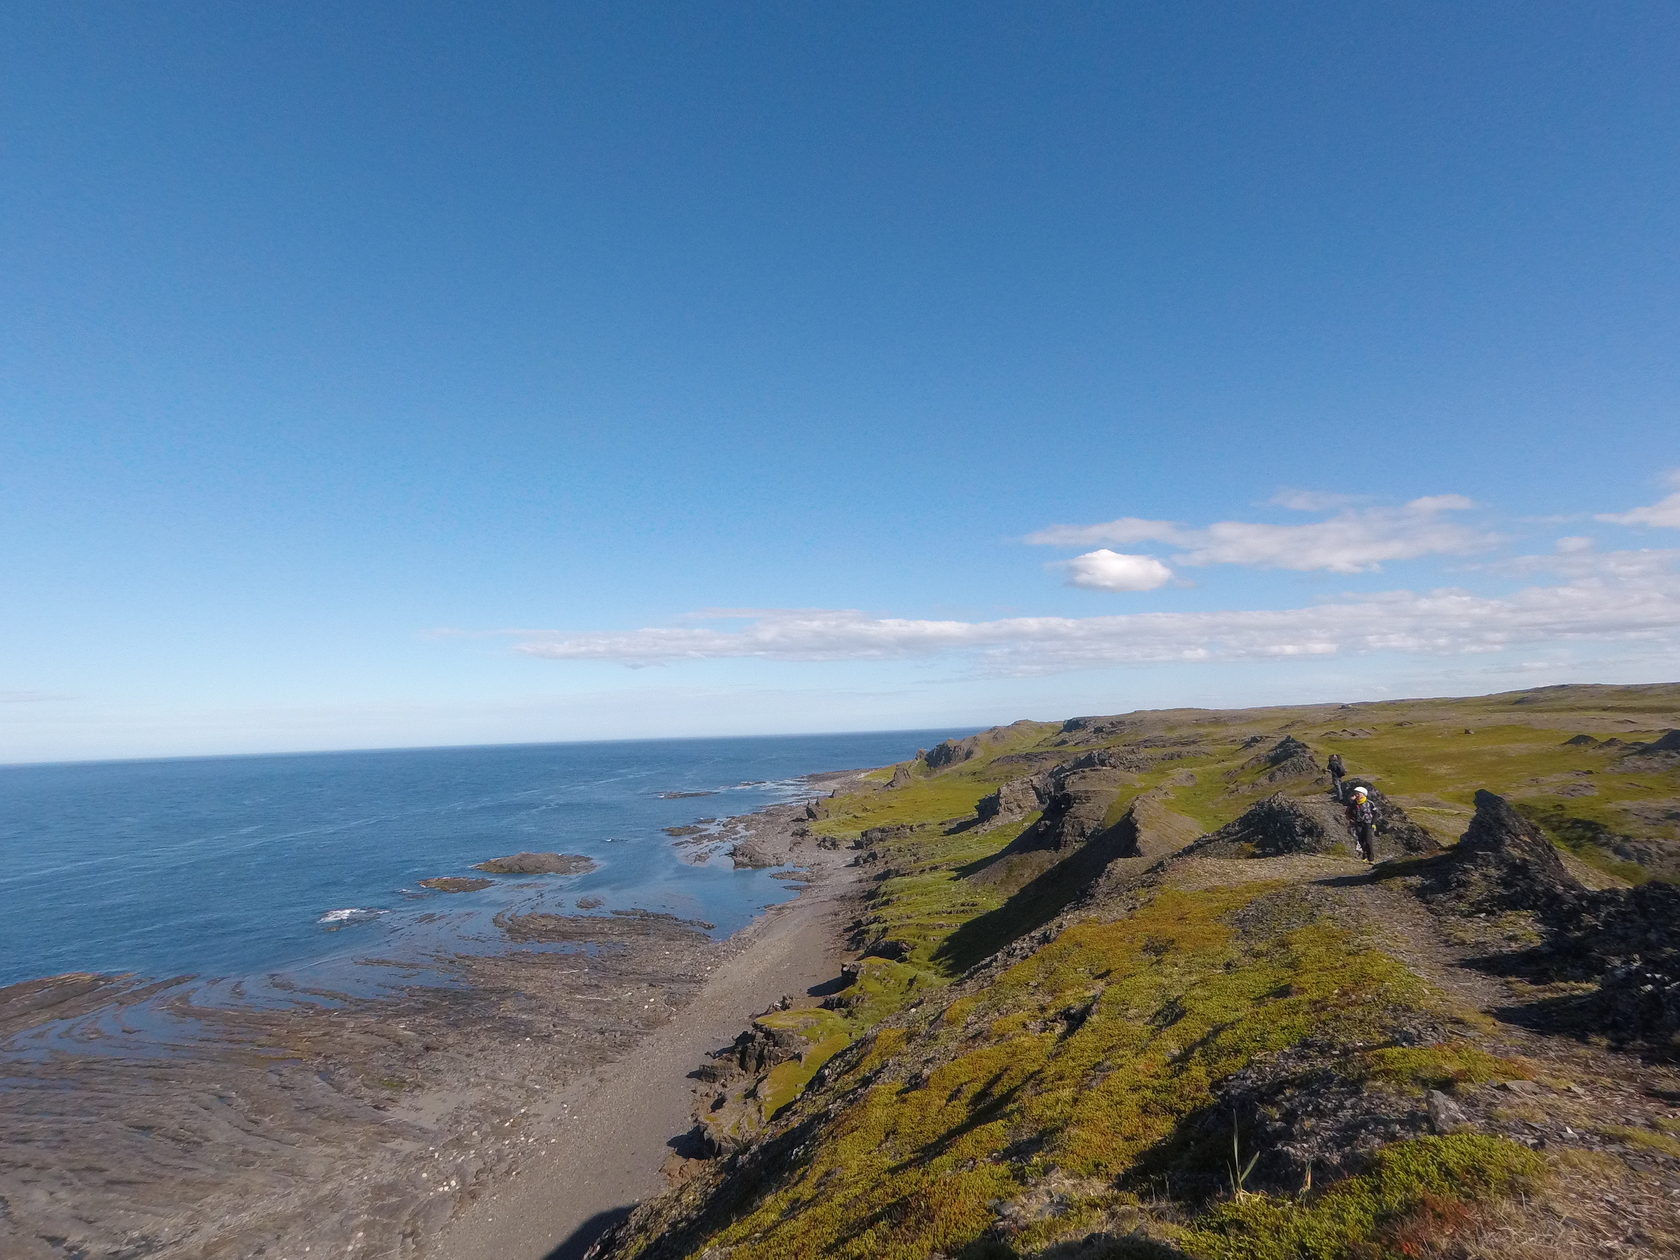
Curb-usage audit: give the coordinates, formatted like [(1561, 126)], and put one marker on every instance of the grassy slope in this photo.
[(1062, 1090)]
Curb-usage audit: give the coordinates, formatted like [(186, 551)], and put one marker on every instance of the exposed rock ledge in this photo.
[(538, 864)]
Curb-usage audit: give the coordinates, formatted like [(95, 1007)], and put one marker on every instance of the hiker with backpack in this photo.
[(1362, 817), (1338, 772)]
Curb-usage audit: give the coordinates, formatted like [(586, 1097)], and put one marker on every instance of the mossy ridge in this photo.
[(1418, 1191), (1431, 755), (1070, 1063)]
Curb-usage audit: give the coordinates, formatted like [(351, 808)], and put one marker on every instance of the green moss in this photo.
[(1587, 838), (1416, 1192), (1415, 1069), (825, 1034), (1074, 1061)]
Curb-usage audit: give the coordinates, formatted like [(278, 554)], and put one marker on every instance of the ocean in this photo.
[(309, 863)]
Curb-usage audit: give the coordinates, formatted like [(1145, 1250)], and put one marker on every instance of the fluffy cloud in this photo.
[(1621, 596), (1359, 540), (1664, 514), (1105, 570)]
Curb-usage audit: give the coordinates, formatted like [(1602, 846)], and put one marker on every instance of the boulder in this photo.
[(900, 777)]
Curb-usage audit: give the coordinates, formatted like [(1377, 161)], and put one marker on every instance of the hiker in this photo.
[(1362, 817), (1337, 773)]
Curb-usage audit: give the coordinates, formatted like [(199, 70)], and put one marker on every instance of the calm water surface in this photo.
[(230, 866)]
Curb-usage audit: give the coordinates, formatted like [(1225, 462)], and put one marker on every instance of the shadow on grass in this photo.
[(1038, 902)]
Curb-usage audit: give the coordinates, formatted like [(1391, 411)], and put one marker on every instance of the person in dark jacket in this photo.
[(1338, 772), (1363, 818)]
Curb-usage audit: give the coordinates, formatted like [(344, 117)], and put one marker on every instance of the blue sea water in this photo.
[(245, 866)]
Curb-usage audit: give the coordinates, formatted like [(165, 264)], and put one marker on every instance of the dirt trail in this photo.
[(1603, 1113)]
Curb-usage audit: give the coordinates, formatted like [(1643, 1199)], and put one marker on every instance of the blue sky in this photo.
[(397, 374)]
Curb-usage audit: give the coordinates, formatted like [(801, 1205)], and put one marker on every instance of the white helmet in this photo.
[(1361, 790)]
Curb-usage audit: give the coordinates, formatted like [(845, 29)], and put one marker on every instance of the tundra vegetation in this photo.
[(1123, 989)]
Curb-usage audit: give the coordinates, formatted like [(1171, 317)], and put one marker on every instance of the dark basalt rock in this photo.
[(1297, 1110), (538, 864), (1074, 810), (758, 1049), (1104, 759), (1631, 939), (455, 883), (1503, 863), (1281, 825), (1659, 754), (952, 752), (1014, 799), (956, 751), (1288, 759), (1580, 741), (1051, 789), (891, 950)]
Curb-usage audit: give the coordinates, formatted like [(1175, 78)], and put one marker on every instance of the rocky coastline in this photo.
[(187, 1119)]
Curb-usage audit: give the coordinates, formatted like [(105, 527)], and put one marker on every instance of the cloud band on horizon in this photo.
[(1616, 596)]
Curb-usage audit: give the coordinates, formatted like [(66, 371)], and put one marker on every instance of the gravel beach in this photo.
[(510, 1113)]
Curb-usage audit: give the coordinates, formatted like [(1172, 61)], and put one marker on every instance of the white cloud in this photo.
[(1663, 514), (1128, 529), (1441, 503), (1105, 570), (1359, 540), (1313, 500), (1624, 596)]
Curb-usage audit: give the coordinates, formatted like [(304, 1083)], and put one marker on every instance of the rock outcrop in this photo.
[(1075, 808), (1630, 937), (1281, 825), (1503, 863), (1659, 754), (1054, 789), (1150, 829), (953, 752), (1288, 760), (1013, 800), (538, 864)]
